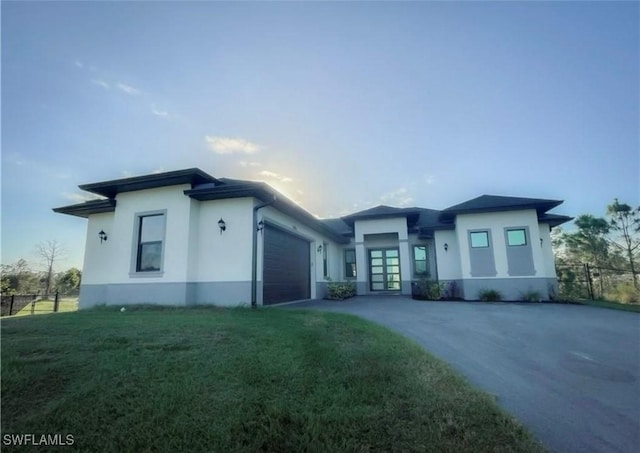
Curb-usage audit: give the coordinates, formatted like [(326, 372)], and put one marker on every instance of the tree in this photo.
[(19, 278), (590, 241), (50, 251), (626, 220), (69, 280)]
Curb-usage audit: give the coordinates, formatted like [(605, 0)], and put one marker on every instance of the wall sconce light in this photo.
[(446, 246), (103, 236), (541, 241), (260, 226), (222, 225), (320, 248)]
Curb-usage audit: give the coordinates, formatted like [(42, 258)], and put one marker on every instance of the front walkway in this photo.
[(570, 373)]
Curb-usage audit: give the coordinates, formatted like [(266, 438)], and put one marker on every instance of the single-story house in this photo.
[(185, 237)]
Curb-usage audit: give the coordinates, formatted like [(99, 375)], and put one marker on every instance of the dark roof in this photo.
[(493, 203), (87, 208), (554, 219), (236, 188), (382, 211), (110, 189)]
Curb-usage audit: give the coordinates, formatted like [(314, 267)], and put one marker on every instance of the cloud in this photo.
[(398, 197), (80, 197), (276, 176), (79, 64), (128, 89), (101, 83), (226, 145), (158, 112), (429, 179), (244, 163)]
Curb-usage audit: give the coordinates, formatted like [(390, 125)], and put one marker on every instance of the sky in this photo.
[(340, 106)]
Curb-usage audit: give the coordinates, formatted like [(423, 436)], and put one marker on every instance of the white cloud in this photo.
[(226, 145), (128, 89), (429, 179), (398, 197), (80, 197), (244, 163), (158, 112), (158, 170), (101, 83), (276, 176), (79, 64)]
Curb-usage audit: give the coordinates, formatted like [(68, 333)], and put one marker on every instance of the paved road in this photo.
[(570, 373)]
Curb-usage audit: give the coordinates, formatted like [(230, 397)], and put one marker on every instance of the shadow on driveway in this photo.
[(570, 373)]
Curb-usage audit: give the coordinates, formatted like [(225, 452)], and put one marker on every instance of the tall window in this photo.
[(350, 263), (150, 238), (325, 263), (420, 266)]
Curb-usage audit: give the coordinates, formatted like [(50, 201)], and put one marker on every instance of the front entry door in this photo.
[(384, 269)]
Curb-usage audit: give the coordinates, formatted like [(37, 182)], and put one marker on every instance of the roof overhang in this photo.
[(87, 208), (110, 189)]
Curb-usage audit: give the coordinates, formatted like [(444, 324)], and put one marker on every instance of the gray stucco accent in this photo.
[(481, 259), (519, 257), (510, 288), (362, 288), (406, 287), (191, 293), (321, 290)]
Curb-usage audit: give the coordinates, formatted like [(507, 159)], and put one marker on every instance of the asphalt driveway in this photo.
[(570, 373)]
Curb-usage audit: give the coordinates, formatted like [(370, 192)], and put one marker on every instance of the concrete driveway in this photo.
[(570, 373)]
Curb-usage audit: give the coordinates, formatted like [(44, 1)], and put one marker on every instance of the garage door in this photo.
[(286, 267)]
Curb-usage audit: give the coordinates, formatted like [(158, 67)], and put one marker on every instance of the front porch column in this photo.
[(405, 266)]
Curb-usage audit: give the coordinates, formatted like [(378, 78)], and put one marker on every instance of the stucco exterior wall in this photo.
[(448, 261), (98, 256)]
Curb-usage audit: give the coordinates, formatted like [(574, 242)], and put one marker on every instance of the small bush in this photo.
[(425, 289), (625, 293), (489, 295), (531, 296), (340, 290)]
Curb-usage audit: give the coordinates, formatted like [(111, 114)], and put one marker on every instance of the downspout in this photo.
[(254, 258)]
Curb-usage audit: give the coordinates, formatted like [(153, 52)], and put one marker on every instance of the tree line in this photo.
[(21, 277), (603, 252)]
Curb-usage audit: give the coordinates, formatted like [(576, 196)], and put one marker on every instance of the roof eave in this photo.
[(88, 208)]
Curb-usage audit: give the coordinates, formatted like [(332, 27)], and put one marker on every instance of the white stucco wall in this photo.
[(448, 261), (496, 222), (549, 264), (98, 257), (224, 256)]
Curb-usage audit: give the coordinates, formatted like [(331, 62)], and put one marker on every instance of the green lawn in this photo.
[(206, 379), (46, 306)]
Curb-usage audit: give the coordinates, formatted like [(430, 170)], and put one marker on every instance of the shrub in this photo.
[(489, 295), (624, 293), (340, 290), (427, 289), (531, 296)]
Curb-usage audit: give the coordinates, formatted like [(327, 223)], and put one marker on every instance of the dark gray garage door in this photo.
[(286, 267)]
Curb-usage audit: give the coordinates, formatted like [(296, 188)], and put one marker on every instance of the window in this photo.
[(479, 239), (516, 237), (325, 261), (420, 266), (150, 239), (350, 263)]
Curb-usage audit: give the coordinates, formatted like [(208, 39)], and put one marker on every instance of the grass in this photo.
[(206, 379), (610, 304), (46, 306)]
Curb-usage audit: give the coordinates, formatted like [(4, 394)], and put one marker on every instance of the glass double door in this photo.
[(384, 269)]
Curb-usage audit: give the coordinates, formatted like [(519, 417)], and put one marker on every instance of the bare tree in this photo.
[(50, 251)]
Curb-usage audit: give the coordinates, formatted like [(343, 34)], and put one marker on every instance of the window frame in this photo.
[(486, 234), (347, 264), (135, 270), (325, 260), (524, 232), (426, 272)]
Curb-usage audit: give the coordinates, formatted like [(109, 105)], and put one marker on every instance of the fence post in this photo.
[(589, 283), (33, 307), (13, 296), (55, 302)]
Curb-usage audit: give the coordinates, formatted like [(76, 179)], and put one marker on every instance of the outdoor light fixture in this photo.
[(260, 225), (446, 246), (102, 235), (222, 225), (319, 248), (541, 241)]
